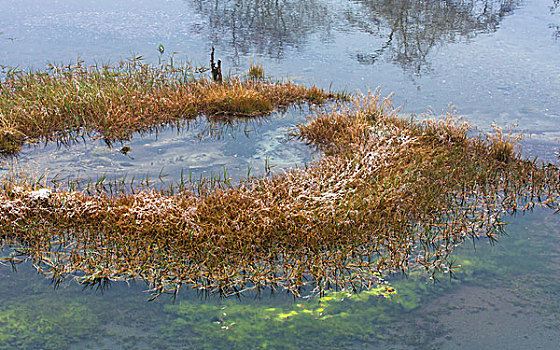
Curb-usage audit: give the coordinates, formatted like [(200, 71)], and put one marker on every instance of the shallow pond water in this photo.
[(505, 296), (496, 61), (199, 149)]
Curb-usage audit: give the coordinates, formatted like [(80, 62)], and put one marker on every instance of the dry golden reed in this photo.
[(113, 102), (389, 195)]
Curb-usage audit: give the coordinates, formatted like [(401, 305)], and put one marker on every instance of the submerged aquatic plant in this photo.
[(389, 195), (41, 323), (65, 102)]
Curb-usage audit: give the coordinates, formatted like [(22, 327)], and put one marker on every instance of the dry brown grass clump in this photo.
[(390, 195), (256, 71), (113, 102)]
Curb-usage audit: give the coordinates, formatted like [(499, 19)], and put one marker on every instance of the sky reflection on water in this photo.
[(494, 60), (199, 148)]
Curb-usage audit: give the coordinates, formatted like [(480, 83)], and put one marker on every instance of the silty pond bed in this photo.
[(495, 60)]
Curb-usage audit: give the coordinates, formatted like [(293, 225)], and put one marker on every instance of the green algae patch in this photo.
[(35, 323), (336, 319), (390, 195)]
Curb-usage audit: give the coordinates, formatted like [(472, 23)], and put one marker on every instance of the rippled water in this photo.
[(495, 61)]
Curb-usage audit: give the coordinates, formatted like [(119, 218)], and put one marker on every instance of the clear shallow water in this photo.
[(506, 296), (198, 149), (496, 61)]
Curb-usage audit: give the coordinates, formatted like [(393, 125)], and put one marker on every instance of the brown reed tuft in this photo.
[(390, 195), (256, 71), (113, 102)]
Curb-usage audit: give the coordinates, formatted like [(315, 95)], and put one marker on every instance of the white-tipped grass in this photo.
[(389, 195)]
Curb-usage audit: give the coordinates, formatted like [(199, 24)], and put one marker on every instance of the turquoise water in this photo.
[(495, 61), (506, 296)]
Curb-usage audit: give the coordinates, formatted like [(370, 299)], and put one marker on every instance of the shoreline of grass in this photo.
[(66, 102), (390, 195)]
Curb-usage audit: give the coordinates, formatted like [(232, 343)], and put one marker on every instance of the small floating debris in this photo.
[(124, 150)]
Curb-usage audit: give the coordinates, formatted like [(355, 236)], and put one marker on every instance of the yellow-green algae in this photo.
[(515, 263), (33, 323), (49, 319), (337, 314)]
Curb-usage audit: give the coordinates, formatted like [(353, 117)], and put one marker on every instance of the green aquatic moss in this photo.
[(33, 323), (335, 319)]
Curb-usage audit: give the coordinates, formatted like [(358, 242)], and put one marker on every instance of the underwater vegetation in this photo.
[(367, 319), (112, 102), (35, 323), (235, 325), (59, 319), (390, 195), (49, 319)]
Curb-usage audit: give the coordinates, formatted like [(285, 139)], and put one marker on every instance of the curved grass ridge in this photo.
[(389, 195), (116, 101)]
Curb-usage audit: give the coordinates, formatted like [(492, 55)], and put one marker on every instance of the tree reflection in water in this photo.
[(408, 30), (555, 27), (264, 26), (412, 28)]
